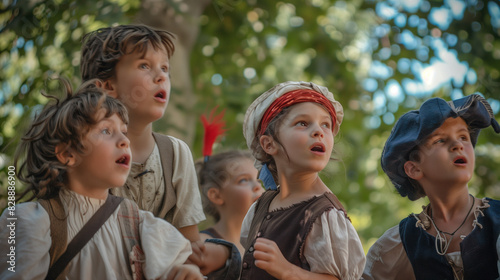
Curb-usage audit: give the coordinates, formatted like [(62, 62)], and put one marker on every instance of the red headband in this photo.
[(291, 98)]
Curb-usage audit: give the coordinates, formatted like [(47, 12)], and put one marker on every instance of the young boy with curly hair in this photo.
[(75, 150)]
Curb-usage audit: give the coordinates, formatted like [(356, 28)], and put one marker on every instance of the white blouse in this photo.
[(102, 257), (332, 247)]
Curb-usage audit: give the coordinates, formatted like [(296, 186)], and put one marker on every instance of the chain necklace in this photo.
[(442, 243)]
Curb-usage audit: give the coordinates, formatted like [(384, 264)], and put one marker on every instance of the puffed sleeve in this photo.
[(333, 247), (387, 258), (189, 209), (25, 243), (245, 225), (163, 245)]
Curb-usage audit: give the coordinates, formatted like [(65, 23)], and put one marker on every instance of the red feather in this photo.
[(214, 127)]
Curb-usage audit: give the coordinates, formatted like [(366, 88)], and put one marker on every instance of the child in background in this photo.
[(430, 152), (228, 183), (133, 61), (75, 151), (229, 186), (300, 230)]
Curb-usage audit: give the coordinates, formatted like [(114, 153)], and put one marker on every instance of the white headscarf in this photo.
[(257, 109)]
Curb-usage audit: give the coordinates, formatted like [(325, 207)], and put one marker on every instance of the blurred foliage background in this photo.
[(379, 58)]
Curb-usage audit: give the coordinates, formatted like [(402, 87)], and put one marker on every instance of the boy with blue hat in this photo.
[(430, 152)]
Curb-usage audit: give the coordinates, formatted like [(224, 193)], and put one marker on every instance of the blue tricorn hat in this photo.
[(415, 126)]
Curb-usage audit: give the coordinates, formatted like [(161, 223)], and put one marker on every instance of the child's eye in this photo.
[(105, 131), (241, 181), (164, 69), (440, 140), (327, 125), (144, 66), (301, 123)]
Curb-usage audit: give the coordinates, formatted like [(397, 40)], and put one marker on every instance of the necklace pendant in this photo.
[(442, 239), (441, 244)]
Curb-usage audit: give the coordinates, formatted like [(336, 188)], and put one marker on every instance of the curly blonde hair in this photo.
[(64, 122)]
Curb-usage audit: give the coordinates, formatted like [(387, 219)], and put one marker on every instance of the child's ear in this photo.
[(412, 169), (214, 196), (65, 155), (109, 87), (268, 144)]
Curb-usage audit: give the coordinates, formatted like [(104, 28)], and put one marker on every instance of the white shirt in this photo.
[(148, 190), (102, 257)]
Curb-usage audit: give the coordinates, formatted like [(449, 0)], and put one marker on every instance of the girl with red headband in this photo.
[(297, 229)]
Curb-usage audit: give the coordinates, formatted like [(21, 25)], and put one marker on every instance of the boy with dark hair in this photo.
[(430, 152)]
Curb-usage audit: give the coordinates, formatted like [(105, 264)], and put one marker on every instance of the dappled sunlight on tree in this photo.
[(423, 49)]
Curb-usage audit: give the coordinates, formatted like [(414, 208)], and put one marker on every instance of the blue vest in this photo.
[(478, 249)]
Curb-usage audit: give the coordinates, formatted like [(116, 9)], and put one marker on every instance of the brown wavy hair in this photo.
[(214, 173), (65, 122), (271, 130), (103, 48)]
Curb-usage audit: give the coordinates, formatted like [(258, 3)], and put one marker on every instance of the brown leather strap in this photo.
[(58, 228), (84, 235), (166, 148)]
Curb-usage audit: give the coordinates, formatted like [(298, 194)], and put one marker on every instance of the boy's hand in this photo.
[(269, 258), (209, 257), (185, 272), (198, 256)]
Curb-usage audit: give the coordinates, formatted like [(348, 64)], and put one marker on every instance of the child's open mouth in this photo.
[(123, 160), (318, 148), (161, 96), (460, 160)]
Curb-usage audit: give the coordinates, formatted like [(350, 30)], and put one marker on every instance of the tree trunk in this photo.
[(182, 19)]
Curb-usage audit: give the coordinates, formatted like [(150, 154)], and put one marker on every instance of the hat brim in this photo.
[(415, 126)]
